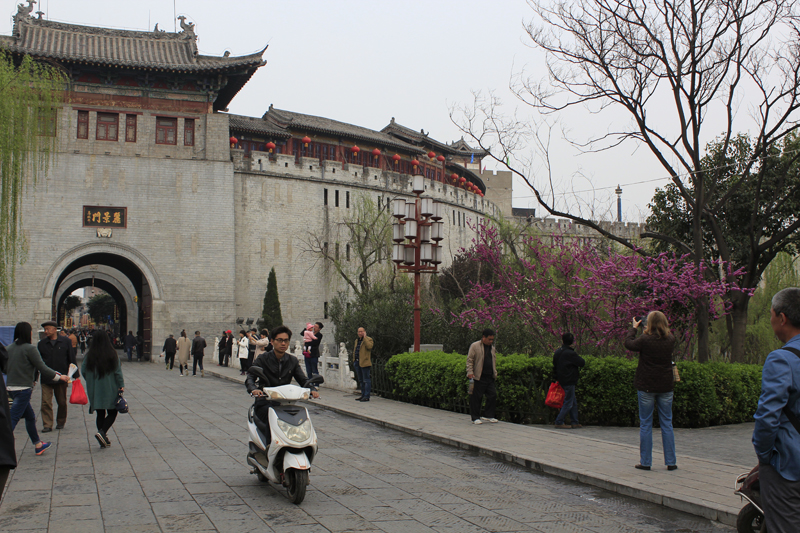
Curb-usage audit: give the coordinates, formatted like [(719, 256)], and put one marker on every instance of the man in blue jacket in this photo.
[(776, 436)]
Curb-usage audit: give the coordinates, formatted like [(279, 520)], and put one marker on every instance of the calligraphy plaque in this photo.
[(105, 217)]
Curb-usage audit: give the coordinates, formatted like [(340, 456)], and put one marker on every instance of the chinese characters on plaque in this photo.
[(105, 217)]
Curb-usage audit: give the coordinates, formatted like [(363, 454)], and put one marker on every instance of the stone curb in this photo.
[(676, 501)]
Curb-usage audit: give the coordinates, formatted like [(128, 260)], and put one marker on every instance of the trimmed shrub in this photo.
[(708, 394)]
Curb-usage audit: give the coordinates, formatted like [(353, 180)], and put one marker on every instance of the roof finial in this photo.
[(23, 13), (187, 27)]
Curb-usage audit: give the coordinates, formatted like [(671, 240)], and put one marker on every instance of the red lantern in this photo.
[(431, 154), (414, 163), (233, 140), (355, 149), (376, 152), (396, 158), (440, 159), (306, 140), (462, 179), (270, 146), (454, 177)]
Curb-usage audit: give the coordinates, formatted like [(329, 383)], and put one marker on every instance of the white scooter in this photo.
[(287, 458)]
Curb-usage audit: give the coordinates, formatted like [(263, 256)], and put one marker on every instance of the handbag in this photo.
[(78, 395), (555, 396), (121, 405), (307, 354)]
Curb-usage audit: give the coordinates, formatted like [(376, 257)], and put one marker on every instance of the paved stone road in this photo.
[(177, 464)]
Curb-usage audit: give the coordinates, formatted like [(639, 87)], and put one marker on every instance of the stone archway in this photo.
[(123, 268)]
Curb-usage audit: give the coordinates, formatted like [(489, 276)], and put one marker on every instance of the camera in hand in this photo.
[(643, 320)]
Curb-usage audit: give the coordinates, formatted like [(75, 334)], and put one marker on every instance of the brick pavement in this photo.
[(177, 464), (702, 485)]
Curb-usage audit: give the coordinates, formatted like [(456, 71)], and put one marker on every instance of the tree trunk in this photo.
[(740, 303)]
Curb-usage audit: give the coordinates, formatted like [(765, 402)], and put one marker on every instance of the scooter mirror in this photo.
[(257, 372), (315, 380)]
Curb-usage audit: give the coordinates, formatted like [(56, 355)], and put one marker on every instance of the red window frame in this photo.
[(188, 132), (107, 127), (83, 125), (130, 128), (166, 130)]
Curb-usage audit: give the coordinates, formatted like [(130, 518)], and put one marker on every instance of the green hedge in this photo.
[(708, 394)]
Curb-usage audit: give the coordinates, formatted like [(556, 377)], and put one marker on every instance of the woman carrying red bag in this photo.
[(104, 382)]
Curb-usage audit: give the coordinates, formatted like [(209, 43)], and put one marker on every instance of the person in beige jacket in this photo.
[(362, 355), (184, 344), (482, 367)]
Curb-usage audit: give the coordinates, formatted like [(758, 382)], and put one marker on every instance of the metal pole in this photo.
[(417, 252)]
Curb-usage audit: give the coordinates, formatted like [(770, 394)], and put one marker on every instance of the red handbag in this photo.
[(78, 395), (555, 396)]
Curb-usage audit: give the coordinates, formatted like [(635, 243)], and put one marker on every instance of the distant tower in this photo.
[(619, 203)]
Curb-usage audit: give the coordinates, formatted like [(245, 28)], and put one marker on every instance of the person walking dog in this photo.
[(104, 383)]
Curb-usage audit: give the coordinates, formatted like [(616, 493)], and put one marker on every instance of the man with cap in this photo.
[(57, 353)]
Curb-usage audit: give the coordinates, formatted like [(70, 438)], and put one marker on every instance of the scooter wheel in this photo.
[(749, 519), (297, 480), (261, 477)]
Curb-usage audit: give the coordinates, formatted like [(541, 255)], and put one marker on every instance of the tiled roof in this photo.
[(256, 125), (421, 138), (157, 50), (298, 121)]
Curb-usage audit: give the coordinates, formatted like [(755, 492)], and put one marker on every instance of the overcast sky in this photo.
[(364, 62)]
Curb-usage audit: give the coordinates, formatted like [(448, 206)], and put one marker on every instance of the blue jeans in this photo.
[(366, 376), (21, 407), (570, 406), (129, 349), (359, 377), (312, 366), (647, 400)]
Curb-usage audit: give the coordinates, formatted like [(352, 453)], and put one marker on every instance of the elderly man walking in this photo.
[(776, 436), (362, 355), (482, 368), (57, 353)]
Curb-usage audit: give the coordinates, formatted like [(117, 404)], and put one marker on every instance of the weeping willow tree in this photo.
[(30, 96)]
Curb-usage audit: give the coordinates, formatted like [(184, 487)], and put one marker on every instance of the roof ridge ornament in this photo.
[(187, 27), (23, 15)]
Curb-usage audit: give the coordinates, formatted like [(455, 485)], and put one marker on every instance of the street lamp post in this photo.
[(417, 233)]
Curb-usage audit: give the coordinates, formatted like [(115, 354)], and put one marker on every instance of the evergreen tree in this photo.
[(272, 305)]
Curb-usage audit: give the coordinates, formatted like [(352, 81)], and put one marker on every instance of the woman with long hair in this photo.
[(104, 383), (24, 360), (184, 345), (654, 382)]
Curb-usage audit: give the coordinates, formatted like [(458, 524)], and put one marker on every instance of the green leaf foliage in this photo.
[(708, 394)]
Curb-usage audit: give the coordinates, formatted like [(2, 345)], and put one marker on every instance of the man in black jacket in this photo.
[(170, 347), (567, 367), (57, 353), (198, 351), (280, 367)]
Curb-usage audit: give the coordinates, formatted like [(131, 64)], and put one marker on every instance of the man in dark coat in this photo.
[(130, 342), (567, 366), (170, 347), (279, 366), (8, 455), (57, 353), (198, 351), (139, 346)]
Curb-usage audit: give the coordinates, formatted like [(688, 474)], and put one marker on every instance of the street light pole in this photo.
[(416, 235)]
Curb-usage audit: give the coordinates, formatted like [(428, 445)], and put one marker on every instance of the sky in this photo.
[(364, 62)]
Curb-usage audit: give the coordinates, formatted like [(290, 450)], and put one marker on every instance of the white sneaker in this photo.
[(492, 420), (477, 422)]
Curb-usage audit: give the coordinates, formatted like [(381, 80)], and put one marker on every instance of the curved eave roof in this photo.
[(256, 125), (470, 175), (310, 123), (459, 148)]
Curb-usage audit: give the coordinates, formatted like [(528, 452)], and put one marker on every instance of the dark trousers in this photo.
[(359, 377), (570, 407), (781, 500), (59, 390), (129, 351), (105, 419), (312, 366), (169, 358), (139, 351), (21, 408), (481, 388), (198, 359), (4, 470)]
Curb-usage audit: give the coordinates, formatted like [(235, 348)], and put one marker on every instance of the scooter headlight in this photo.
[(296, 433)]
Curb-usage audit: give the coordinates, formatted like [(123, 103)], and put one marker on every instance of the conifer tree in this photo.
[(272, 305)]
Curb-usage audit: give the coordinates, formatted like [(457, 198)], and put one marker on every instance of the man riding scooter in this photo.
[(279, 367)]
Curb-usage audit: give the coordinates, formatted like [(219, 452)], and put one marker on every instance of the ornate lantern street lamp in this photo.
[(417, 233)]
